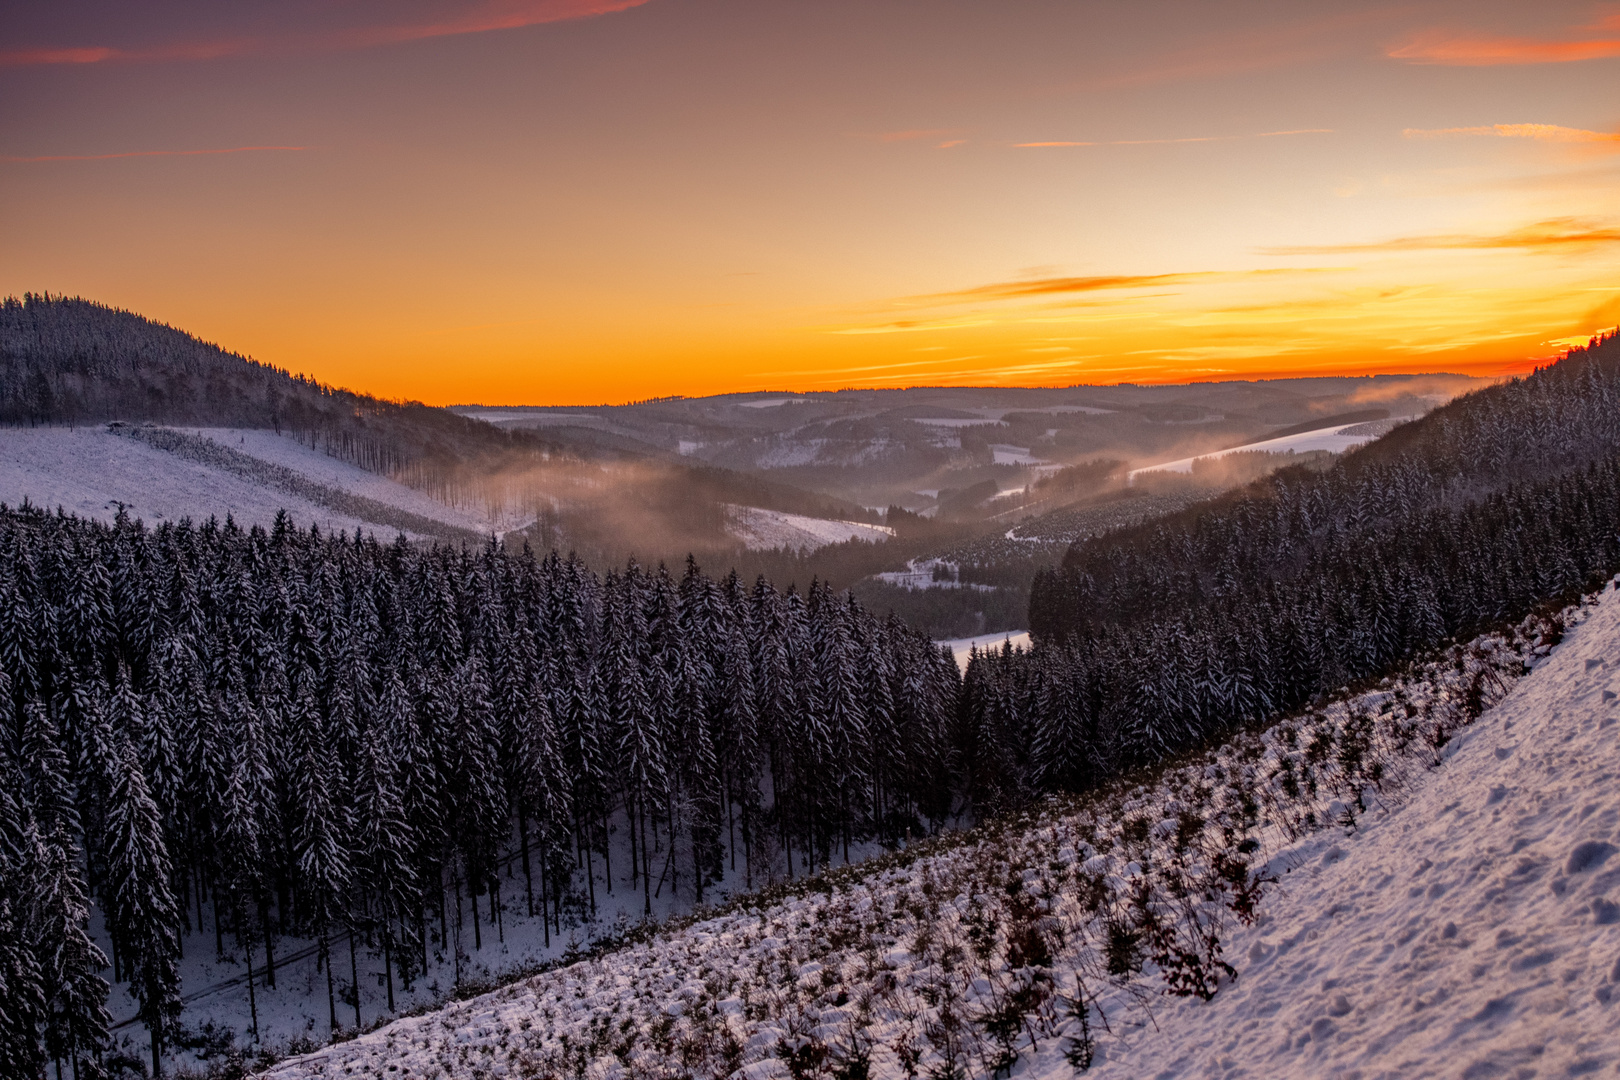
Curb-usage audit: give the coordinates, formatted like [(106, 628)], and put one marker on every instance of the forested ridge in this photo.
[(277, 732), (1162, 636), (265, 733)]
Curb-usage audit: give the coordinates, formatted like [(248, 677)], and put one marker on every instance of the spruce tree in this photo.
[(141, 906)]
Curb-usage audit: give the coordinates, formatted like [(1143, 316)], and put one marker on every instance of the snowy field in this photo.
[(1446, 914), (765, 529), (89, 470), (1335, 440), (321, 467), (962, 648)]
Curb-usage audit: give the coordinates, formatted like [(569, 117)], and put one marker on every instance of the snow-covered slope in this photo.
[(1332, 439), (758, 528), (1472, 932), (91, 470), (1459, 923)]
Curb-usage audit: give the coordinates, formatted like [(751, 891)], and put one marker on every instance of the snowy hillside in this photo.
[(1474, 931), (1446, 906), (758, 528), (1335, 440), (89, 471)]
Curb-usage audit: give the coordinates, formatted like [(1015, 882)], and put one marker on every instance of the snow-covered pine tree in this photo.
[(141, 905)]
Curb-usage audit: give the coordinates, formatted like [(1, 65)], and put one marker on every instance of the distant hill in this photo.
[(72, 361), (69, 360)]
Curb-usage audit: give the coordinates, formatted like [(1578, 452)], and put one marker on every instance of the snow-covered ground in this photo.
[(919, 574), (90, 470), (1461, 923), (323, 468), (962, 648), (1471, 932), (764, 529), (1005, 454), (1335, 440)]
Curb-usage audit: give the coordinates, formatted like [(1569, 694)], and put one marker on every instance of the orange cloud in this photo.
[(1053, 286), (487, 16), (1556, 234), (1541, 132), (1442, 47), (148, 153)]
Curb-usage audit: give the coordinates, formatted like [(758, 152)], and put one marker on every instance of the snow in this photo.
[(1471, 932), (323, 468), (919, 574), (1335, 440), (759, 529), (1014, 455), (771, 403), (962, 648), (960, 422), (1462, 925), (89, 470)]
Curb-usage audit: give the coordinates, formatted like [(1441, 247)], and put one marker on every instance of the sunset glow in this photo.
[(579, 201)]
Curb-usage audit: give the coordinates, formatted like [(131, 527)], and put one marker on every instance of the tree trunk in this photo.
[(354, 978), (388, 966), (646, 870), (269, 946), (331, 992), (528, 876), (253, 1001)]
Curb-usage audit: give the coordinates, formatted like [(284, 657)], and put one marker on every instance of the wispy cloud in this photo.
[(1067, 286), (483, 17), (1164, 142), (147, 153), (1556, 234), (1460, 50), (1540, 132), (1053, 286)]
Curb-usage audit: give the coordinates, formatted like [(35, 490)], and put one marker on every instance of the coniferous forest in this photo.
[(258, 734), (1164, 636), (267, 733)]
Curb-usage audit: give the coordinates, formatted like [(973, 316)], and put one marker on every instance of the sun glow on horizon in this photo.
[(587, 201)]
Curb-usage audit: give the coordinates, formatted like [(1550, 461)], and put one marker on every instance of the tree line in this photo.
[(274, 732), (1161, 637)]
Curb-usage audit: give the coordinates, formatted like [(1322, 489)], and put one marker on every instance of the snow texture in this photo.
[(1472, 932), (962, 648), (1333, 439), (89, 471), (1463, 925), (766, 529)]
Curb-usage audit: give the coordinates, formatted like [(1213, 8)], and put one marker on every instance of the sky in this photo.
[(598, 201)]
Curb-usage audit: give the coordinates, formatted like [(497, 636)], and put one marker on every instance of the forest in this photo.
[(1164, 636), (274, 732), (265, 733)]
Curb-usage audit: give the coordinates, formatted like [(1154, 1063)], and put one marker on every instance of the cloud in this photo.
[(1556, 234), (1540, 132), (483, 17), (1053, 286), (1165, 142), (148, 153), (1066, 286), (1446, 48)]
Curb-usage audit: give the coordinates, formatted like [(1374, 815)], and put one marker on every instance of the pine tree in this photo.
[(141, 907)]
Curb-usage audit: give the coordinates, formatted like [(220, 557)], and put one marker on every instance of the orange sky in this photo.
[(575, 201)]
